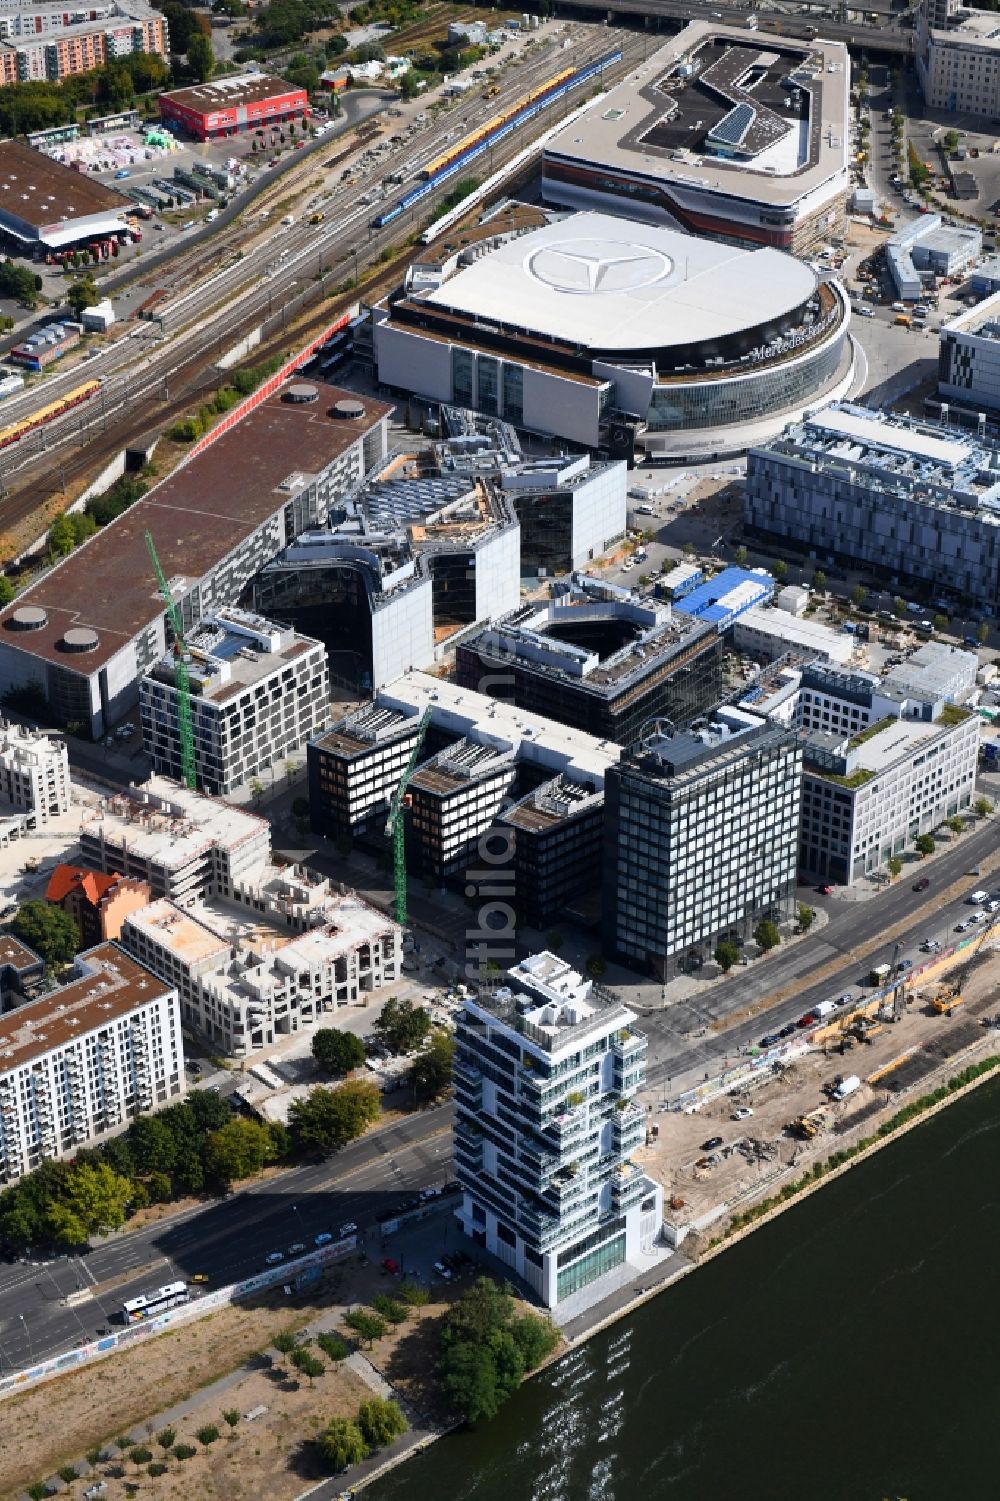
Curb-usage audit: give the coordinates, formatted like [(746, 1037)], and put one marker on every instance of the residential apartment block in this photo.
[(906, 498), (79, 1064), (98, 904), (258, 693), (701, 834), (34, 773), (546, 1070), (183, 844), (281, 954), (958, 58), (51, 42)]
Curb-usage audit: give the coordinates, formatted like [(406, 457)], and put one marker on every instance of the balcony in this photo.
[(628, 1185), (567, 1127), (628, 1045), (468, 1084)]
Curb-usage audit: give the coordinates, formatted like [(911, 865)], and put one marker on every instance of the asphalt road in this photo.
[(227, 1239), (682, 1049)]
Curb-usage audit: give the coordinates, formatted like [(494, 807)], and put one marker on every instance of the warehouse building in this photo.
[(908, 499), (258, 693), (547, 1066), (598, 658), (609, 335), (79, 1064), (723, 132), (926, 248), (231, 104), (701, 838), (46, 206), (87, 632), (40, 42), (769, 633)]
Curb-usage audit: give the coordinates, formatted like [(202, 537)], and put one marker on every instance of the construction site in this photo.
[(832, 1090)]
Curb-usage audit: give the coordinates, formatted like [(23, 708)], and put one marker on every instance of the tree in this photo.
[(152, 1145), (726, 954), (893, 865), (431, 1072), (780, 570), (688, 549), (381, 1421), (367, 1326), (94, 1201), (201, 59), (554, 940), (308, 1364), (899, 607), (983, 632), (596, 966), (940, 622), (956, 824), (401, 1026), (767, 935), (239, 1149), (819, 581), (206, 1434), (329, 1118), (389, 1309), (342, 1444), (857, 596), (7, 590), (333, 1347), (740, 556), (337, 1052), (806, 916), (486, 1348), (982, 807), (535, 1338), (231, 1416), (924, 844), (61, 537), (50, 931), (166, 1438), (83, 294), (17, 281), (284, 1342)]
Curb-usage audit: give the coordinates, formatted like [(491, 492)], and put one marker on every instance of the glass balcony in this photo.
[(628, 1184)]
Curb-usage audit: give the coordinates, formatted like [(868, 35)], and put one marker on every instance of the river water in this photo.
[(847, 1352)]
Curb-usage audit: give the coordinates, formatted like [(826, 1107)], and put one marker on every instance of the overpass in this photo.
[(889, 41)]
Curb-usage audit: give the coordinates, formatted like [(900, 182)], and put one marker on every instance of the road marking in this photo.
[(86, 1270)]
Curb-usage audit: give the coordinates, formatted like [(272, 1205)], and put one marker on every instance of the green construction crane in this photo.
[(395, 823), (182, 681)]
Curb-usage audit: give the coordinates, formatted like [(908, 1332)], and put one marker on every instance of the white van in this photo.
[(977, 898), (288, 220)]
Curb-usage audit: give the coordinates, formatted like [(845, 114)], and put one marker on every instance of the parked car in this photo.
[(807, 1020), (743, 1113), (825, 890), (847, 999), (429, 1193), (442, 1271), (199, 1277), (296, 1248), (390, 1265), (769, 1039), (350, 1228), (787, 1030), (323, 1238), (273, 1257), (711, 1144)]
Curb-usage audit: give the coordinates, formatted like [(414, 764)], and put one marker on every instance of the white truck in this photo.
[(847, 1086), (824, 1009), (977, 898)]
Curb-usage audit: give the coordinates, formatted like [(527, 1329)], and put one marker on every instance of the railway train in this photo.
[(487, 136), (15, 430)]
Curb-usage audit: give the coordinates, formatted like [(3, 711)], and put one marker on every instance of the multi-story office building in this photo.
[(232, 104), (355, 768), (89, 630), (281, 954), (183, 844), (558, 831), (546, 1070), (958, 58), (78, 1064), (883, 762), (571, 510), (701, 833), (969, 357), (52, 42), (34, 773), (454, 798), (258, 693), (906, 498), (598, 658)]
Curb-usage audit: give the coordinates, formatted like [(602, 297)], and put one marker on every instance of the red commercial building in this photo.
[(226, 106)]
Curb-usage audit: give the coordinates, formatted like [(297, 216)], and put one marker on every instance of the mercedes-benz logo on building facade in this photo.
[(586, 267)]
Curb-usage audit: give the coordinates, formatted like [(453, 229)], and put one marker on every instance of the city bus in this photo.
[(148, 1305)]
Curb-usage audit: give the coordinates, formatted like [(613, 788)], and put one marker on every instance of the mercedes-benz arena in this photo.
[(723, 132), (603, 332)]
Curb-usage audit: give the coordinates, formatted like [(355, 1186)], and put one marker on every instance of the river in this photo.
[(846, 1352)]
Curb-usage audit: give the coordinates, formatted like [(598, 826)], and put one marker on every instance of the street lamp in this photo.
[(27, 1334)]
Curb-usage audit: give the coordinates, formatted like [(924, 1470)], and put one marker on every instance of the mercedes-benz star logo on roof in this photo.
[(585, 267)]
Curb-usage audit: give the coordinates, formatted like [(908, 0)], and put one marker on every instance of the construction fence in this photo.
[(304, 1268)]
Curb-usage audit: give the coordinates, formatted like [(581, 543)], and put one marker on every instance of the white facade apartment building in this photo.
[(78, 1065), (282, 955), (546, 1070), (969, 357), (34, 772), (259, 692), (186, 845), (701, 832)]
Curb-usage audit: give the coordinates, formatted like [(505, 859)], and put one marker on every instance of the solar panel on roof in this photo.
[(733, 127)]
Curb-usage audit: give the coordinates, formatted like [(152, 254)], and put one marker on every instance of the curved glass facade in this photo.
[(728, 403)]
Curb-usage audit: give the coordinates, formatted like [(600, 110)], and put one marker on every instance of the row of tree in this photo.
[(41, 105), (196, 1146), (401, 1027)]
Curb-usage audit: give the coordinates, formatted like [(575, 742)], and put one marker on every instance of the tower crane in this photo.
[(395, 823), (182, 680)]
